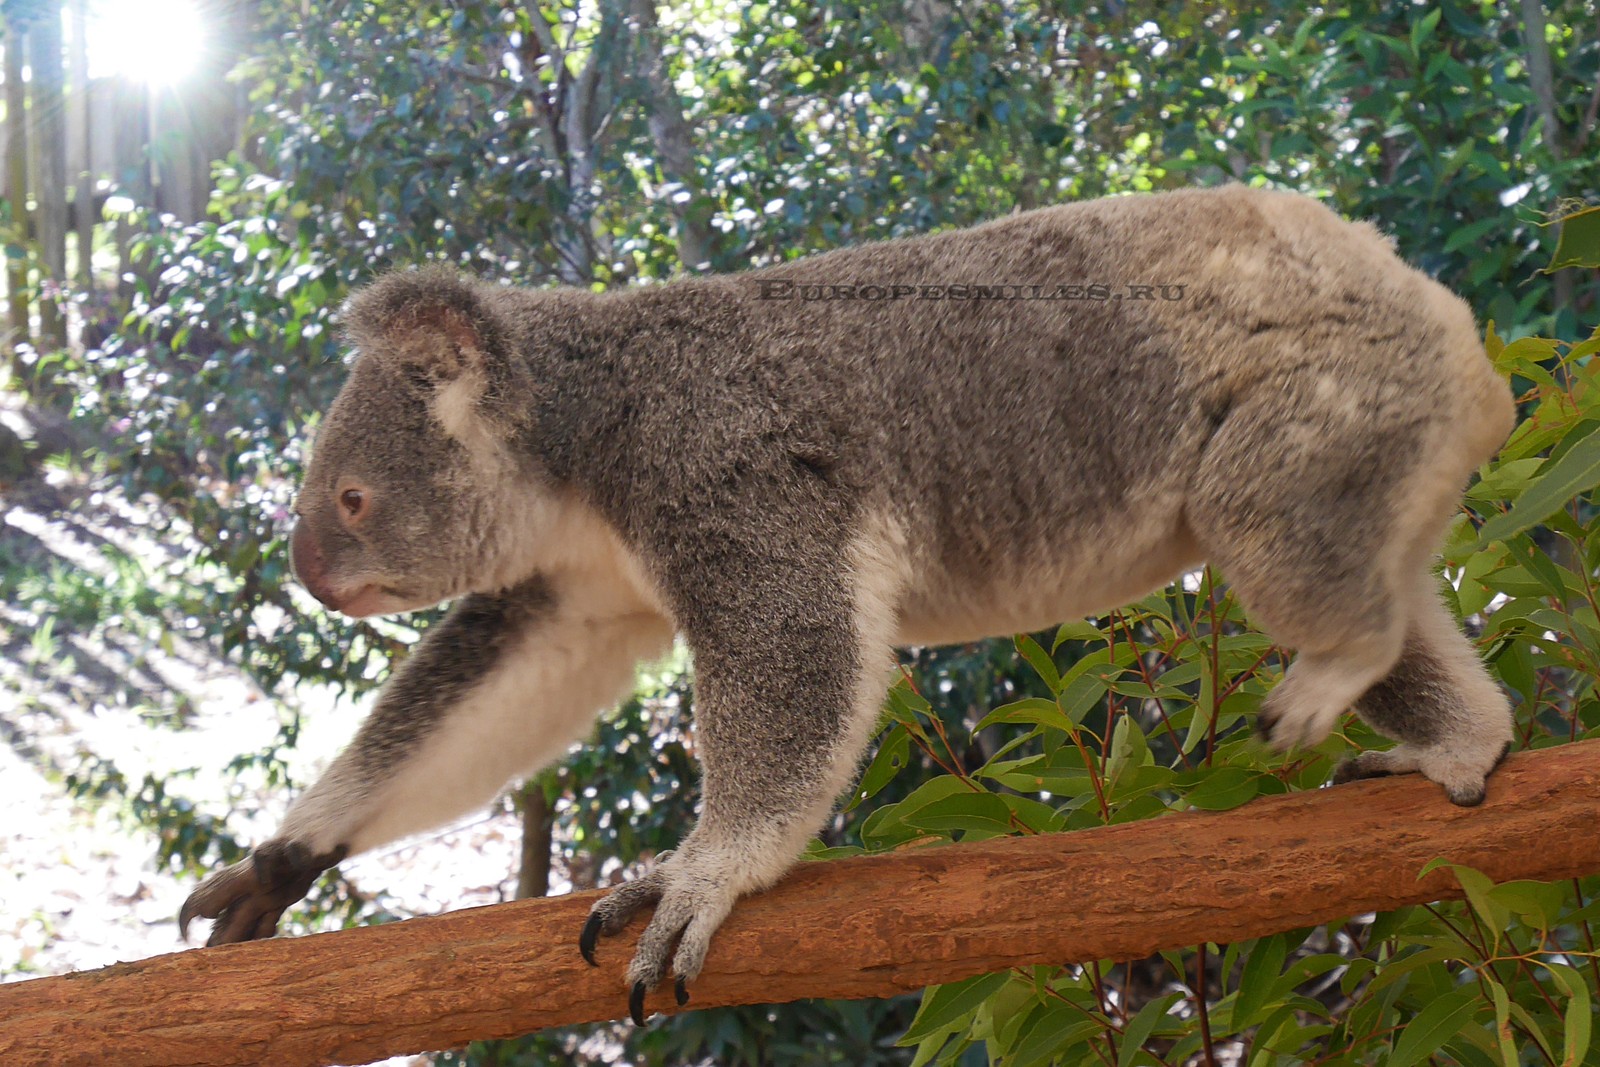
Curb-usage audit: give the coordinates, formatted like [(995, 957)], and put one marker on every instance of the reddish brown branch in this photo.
[(850, 928)]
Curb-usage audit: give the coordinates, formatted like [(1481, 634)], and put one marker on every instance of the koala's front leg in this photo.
[(501, 685), (792, 651)]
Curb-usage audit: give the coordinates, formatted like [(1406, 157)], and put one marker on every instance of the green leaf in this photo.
[(945, 1004), (1423, 28), (1081, 630), (1538, 904), (1433, 1026), (1080, 695), (1224, 788), (1472, 232), (1579, 1022), (1508, 479), (895, 823), (1034, 814), (892, 755), (1409, 961), (983, 812), (1579, 243), (904, 706), (931, 1046), (1478, 889), (1526, 355), (1205, 708), (1036, 710), (1584, 349), (1533, 1029), (1049, 1028), (1261, 969), (1129, 751), (1040, 660), (1141, 1026), (1502, 1023), (1556, 483)]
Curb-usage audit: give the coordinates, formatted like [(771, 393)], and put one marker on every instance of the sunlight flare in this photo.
[(153, 41)]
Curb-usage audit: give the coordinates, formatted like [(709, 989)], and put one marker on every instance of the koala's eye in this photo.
[(354, 503)]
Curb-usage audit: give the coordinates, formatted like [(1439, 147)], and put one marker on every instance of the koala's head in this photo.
[(413, 493)]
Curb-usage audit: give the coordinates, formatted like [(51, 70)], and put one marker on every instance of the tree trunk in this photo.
[(674, 145), (50, 150), (131, 139), (84, 215), (864, 927), (538, 838), (1541, 79), (17, 185)]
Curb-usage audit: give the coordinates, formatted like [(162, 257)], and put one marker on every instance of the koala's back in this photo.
[(998, 434)]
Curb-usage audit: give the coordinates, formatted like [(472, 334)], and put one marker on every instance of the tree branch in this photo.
[(1540, 77), (547, 40), (866, 927), (674, 144)]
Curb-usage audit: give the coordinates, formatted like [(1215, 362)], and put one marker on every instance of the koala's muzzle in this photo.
[(309, 564)]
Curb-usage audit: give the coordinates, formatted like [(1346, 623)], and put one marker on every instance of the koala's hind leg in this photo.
[(1453, 723), (1294, 499), (1323, 504)]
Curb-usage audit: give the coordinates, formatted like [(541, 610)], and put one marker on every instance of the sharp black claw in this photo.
[(680, 989), (587, 939), (636, 1003)]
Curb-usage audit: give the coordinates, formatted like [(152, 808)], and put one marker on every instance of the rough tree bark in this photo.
[(863, 927)]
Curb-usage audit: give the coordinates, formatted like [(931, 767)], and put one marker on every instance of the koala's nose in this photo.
[(308, 564)]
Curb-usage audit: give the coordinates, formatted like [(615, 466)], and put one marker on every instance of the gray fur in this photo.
[(1413, 701), (463, 648), (798, 484)]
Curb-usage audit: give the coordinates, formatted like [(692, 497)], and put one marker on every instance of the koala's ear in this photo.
[(437, 328), (432, 321)]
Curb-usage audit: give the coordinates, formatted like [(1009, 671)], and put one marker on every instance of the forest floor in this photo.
[(89, 693)]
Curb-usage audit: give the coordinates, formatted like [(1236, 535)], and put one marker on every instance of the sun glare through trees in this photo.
[(151, 41)]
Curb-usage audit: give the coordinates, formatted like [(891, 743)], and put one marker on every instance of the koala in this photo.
[(915, 442)]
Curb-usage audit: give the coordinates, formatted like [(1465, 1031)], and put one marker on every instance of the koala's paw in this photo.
[(612, 912), (1464, 775), (1369, 765), (247, 899), (691, 901), (1291, 718)]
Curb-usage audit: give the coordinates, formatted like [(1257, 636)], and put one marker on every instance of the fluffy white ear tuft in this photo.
[(457, 405)]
